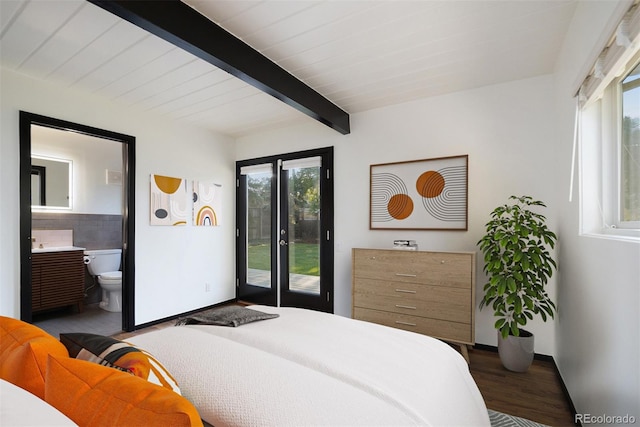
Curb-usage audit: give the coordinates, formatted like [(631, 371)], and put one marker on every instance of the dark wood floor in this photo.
[(536, 394)]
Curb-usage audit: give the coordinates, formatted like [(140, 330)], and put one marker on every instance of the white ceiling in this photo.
[(360, 54)]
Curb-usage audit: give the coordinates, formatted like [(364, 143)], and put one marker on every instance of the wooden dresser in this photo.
[(432, 293), (57, 279)]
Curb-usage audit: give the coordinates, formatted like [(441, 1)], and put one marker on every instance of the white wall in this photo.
[(173, 264), (598, 334), (507, 131)]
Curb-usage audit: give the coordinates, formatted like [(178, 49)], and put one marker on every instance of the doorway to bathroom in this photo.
[(82, 197)]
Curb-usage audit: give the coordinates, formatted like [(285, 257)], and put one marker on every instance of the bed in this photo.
[(18, 407), (311, 368)]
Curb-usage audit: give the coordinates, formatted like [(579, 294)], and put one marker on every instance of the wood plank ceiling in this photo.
[(360, 55)]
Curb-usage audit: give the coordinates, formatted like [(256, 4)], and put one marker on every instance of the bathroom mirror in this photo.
[(51, 181)]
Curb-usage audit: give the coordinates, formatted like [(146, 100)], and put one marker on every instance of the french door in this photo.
[(284, 208)]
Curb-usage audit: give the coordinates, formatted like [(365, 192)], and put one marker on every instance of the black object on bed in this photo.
[(225, 316)]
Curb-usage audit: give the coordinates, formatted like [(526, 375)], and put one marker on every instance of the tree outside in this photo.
[(304, 214)]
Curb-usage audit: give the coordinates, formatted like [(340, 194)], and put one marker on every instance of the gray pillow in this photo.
[(226, 316)]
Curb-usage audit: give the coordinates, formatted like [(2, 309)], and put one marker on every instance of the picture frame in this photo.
[(207, 200), (427, 194), (169, 202)]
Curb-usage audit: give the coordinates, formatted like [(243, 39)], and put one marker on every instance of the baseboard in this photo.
[(567, 395), (176, 316), (544, 358), (536, 356)]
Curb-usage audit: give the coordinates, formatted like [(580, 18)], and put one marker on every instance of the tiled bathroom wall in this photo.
[(89, 231), (51, 238)]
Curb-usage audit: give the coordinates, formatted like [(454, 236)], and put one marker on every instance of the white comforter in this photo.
[(19, 408), (309, 368)]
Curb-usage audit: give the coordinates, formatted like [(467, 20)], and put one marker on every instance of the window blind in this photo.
[(307, 162), (622, 45), (610, 63), (255, 169)]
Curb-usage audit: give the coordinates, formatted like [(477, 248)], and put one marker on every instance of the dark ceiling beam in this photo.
[(183, 26)]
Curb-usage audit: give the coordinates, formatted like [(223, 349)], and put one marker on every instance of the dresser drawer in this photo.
[(429, 268), (437, 302), (450, 331)]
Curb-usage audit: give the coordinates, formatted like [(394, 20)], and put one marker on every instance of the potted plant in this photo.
[(518, 264)]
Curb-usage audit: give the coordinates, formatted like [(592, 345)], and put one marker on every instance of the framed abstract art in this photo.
[(428, 194), (169, 204), (207, 197)]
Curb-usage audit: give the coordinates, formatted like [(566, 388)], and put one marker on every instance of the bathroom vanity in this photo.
[(57, 278)]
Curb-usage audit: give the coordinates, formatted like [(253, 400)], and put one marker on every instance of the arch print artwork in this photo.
[(429, 194), (206, 203)]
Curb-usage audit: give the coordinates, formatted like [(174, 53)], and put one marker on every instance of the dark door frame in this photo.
[(128, 223), (269, 296)]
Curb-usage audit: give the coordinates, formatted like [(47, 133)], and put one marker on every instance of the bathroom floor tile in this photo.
[(92, 320)]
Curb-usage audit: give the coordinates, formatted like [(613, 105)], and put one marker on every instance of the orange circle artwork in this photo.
[(167, 184), (400, 206), (430, 184)]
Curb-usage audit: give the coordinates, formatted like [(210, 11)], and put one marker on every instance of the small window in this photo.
[(608, 134), (629, 176), (610, 158)]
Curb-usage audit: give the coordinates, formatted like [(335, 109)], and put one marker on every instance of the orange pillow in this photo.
[(90, 394), (107, 351), (24, 349)]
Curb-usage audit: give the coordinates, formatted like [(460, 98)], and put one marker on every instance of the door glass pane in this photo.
[(304, 229), (259, 229)]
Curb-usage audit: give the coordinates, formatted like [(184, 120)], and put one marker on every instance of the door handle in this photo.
[(283, 242)]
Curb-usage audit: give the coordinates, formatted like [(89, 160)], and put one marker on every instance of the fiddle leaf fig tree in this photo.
[(518, 265)]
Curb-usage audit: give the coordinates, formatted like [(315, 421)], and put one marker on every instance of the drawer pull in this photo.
[(399, 322), (405, 306), (406, 291), (406, 275)]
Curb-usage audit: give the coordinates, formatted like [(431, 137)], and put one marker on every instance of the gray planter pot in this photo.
[(516, 353)]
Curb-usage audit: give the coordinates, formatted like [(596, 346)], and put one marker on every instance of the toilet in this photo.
[(104, 265)]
